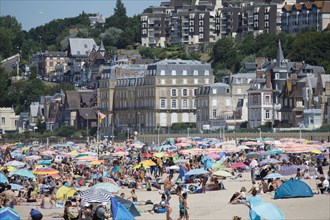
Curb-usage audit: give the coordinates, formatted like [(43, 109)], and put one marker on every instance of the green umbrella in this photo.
[(22, 172), (222, 173), (81, 155), (217, 165), (107, 186)]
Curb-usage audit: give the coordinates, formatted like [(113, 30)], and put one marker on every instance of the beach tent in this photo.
[(9, 214), (293, 188), (119, 211), (64, 192), (128, 205)]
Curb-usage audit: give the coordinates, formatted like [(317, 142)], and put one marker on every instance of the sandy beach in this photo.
[(214, 204)]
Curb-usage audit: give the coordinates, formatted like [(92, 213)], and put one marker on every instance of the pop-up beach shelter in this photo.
[(292, 189)]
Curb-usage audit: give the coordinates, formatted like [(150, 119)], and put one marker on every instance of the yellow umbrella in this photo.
[(97, 162), (316, 151), (24, 149), (9, 168), (160, 154), (148, 163), (139, 165)]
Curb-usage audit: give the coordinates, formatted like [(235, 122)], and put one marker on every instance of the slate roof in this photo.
[(81, 47)]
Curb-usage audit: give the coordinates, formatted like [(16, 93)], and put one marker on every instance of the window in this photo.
[(266, 24), (214, 113), (173, 103), (184, 81), (195, 103), (85, 45), (173, 72), (195, 92), (3, 120), (207, 81), (195, 72), (267, 99), (173, 92), (267, 114), (201, 36), (228, 102), (201, 29), (227, 91), (184, 72), (162, 103), (162, 72), (239, 91), (214, 91), (162, 81), (174, 81), (184, 92), (184, 103), (51, 63), (195, 81), (206, 72)]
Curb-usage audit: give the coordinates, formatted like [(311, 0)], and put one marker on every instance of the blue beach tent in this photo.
[(292, 189)]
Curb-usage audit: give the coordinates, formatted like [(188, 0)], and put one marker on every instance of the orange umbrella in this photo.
[(45, 171), (86, 158), (97, 162), (47, 152), (33, 157)]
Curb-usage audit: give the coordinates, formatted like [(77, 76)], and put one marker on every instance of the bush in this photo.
[(66, 131)]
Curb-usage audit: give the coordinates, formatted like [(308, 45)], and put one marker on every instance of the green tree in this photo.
[(66, 131), (119, 17)]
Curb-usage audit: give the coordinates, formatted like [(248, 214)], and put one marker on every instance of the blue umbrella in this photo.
[(3, 179), (269, 160), (25, 173), (320, 157), (268, 211), (9, 214), (45, 162), (196, 172), (16, 186), (273, 176), (290, 169)]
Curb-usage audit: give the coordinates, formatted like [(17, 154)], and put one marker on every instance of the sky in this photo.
[(32, 13)]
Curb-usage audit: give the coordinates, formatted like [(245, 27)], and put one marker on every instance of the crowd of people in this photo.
[(165, 172)]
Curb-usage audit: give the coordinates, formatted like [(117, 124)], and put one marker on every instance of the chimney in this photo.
[(259, 74), (268, 81), (327, 88)]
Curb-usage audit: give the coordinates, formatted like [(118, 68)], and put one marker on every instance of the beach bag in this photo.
[(36, 214)]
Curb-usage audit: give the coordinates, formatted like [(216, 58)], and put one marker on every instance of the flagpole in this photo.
[(98, 132)]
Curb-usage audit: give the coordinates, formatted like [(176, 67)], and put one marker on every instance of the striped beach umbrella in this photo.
[(97, 195)]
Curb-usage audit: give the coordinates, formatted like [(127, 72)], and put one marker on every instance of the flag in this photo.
[(101, 117)]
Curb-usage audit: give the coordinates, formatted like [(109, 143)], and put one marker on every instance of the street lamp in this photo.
[(87, 129), (188, 129), (200, 119), (259, 132), (127, 133), (139, 122), (158, 135)]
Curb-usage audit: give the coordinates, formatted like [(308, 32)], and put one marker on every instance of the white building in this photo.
[(8, 120)]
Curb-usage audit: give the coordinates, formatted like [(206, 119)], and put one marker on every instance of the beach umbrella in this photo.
[(45, 162), (139, 165), (174, 167), (243, 147), (238, 165), (3, 179), (24, 173), (48, 152), (95, 195), (148, 163), (120, 153), (159, 154), (97, 162), (213, 156), (16, 186), (83, 163), (116, 169), (33, 157), (269, 161), (222, 173), (268, 211), (17, 155), (86, 158), (273, 176), (9, 214), (178, 161), (45, 171), (196, 172), (217, 165), (290, 169), (320, 157), (316, 151), (15, 163), (252, 155), (113, 188), (81, 155), (147, 155)]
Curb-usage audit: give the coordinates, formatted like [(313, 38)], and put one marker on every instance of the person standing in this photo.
[(168, 185), (183, 207)]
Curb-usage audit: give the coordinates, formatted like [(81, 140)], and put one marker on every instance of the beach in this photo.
[(214, 204)]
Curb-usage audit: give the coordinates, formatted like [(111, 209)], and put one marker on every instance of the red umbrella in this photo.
[(238, 165), (147, 155)]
